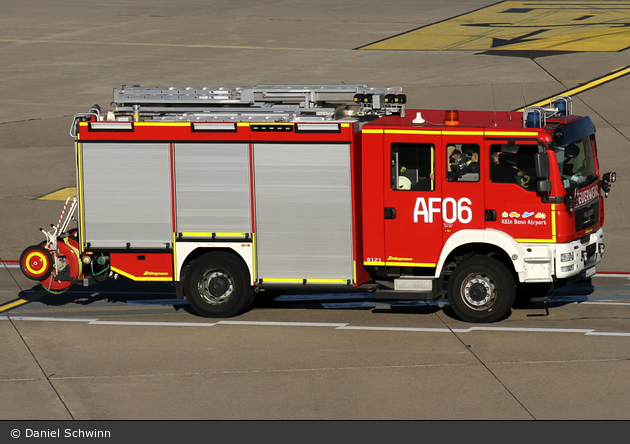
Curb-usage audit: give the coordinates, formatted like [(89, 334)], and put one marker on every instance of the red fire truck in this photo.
[(230, 192)]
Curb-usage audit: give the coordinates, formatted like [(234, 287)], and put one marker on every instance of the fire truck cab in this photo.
[(494, 202), (228, 192)]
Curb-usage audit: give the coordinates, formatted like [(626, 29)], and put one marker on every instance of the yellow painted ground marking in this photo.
[(21, 301), (61, 194), (524, 26), (619, 72), (13, 304)]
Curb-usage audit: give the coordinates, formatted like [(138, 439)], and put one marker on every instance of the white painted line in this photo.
[(524, 329), (153, 324), (288, 324), (418, 329), (46, 319), (338, 326), (604, 303), (606, 333)]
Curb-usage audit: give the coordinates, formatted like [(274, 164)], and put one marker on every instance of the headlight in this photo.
[(568, 268), (567, 257)]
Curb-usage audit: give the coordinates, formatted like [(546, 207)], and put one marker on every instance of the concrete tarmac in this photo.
[(60, 58)]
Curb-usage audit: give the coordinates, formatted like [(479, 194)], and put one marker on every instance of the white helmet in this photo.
[(404, 183)]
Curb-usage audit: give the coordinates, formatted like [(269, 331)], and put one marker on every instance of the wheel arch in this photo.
[(189, 252), (466, 243)]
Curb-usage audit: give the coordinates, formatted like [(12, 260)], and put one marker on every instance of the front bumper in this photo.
[(580, 256)]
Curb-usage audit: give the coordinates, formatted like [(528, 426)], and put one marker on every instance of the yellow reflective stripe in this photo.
[(161, 123), (175, 274), (301, 281), (141, 278), (80, 196), (373, 263), (204, 234), (411, 264), (554, 232), (254, 263), (512, 133), (537, 241), (430, 132), (463, 133), (454, 133)]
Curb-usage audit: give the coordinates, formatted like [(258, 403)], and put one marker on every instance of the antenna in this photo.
[(494, 106)]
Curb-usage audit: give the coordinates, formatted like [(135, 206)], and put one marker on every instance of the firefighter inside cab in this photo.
[(501, 171), (463, 163)]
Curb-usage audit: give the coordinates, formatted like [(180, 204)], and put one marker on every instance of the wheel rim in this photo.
[(36, 263), (478, 291), (215, 286)]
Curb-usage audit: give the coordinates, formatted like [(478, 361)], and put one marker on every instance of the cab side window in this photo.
[(511, 163), (413, 166), (463, 162)]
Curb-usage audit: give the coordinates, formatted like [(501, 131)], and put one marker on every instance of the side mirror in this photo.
[(607, 179), (541, 161), (544, 186), (543, 171), (610, 177)]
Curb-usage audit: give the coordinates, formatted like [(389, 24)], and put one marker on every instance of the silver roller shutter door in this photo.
[(303, 211), (212, 188), (127, 195)]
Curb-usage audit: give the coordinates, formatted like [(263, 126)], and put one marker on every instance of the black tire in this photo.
[(481, 289), (217, 285)]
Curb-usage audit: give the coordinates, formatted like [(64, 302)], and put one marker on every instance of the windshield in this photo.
[(576, 163)]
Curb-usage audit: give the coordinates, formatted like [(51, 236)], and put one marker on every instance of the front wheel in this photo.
[(481, 289), (217, 285)]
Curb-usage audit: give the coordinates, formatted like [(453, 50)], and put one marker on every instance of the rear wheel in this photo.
[(217, 285), (481, 289)]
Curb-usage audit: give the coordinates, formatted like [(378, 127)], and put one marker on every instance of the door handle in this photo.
[(390, 213), (491, 215)]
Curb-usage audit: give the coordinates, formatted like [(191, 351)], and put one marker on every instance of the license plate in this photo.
[(589, 272)]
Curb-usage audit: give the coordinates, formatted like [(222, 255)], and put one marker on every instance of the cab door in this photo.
[(511, 192), (412, 198), (463, 189)]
